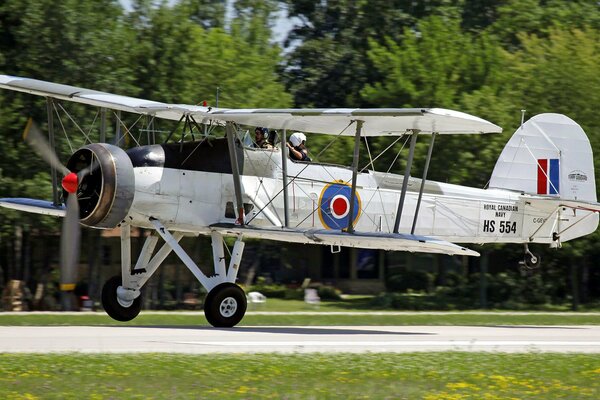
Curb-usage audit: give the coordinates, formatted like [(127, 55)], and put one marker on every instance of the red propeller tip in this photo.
[(69, 182)]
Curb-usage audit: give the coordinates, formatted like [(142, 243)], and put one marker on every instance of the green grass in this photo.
[(175, 318), (349, 303), (431, 376), (357, 304)]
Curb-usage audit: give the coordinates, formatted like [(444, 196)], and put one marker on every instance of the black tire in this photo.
[(225, 305), (111, 305)]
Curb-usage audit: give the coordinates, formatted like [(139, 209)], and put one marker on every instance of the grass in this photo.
[(174, 318), (319, 316), (430, 376)]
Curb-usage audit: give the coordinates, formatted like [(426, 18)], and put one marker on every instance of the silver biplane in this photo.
[(542, 190)]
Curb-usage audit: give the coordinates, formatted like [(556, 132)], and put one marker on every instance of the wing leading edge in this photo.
[(333, 121), (99, 99), (376, 121), (34, 206), (365, 240)]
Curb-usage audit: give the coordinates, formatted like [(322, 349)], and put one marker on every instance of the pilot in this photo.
[(297, 147), (260, 138)]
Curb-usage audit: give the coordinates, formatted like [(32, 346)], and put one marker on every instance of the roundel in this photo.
[(334, 206)]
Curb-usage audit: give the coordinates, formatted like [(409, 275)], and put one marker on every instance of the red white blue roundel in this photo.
[(334, 206)]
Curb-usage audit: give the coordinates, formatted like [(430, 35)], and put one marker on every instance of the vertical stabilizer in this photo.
[(549, 154)]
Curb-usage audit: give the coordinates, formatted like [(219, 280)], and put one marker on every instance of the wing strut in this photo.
[(412, 231), (118, 128), (237, 185), (50, 109), (102, 124), (284, 154), (359, 124), (409, 160)]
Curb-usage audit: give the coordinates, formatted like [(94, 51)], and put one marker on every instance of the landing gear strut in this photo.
[(530, 261), (225, 304)]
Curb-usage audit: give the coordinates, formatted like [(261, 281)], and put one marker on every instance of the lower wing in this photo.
[(34, 206), (365, 240)]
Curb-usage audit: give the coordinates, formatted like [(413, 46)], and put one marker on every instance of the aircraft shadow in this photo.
[(292, 330), (534, 327)]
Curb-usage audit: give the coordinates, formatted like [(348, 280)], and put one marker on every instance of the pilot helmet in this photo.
[(297, 138)]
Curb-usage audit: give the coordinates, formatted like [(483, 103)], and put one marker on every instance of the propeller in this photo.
[(71, 230)]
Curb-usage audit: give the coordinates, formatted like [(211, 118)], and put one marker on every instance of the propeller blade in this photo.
[(89, 170), (69, 255), (34, 137)]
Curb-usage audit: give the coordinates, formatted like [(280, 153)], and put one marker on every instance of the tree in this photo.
[(438, 65), (558, 72), (540, 17), (157, 52), (186, 62), (329, 66)]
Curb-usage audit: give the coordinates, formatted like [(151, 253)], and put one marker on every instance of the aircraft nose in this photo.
[(70, 182)]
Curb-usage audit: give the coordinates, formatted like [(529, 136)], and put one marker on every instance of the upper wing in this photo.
[(99, 99), (365, 240), (377, 122)]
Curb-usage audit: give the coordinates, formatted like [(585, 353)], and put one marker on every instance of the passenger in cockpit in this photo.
[(297, 147)]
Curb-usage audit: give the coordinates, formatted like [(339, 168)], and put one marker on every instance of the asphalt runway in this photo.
[(298, 339)]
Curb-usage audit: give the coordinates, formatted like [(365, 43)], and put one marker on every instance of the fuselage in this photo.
[(190, 187)]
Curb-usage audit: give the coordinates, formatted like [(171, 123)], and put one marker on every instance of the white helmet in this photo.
[(297, 138)]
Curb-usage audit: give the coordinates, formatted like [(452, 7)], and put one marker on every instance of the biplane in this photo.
[(542, 190)]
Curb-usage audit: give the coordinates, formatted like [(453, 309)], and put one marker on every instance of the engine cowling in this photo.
[(106, 191)]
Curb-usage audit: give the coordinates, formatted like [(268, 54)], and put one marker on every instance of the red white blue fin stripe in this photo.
[(548, 176)]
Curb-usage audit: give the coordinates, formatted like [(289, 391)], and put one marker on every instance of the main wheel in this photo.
[(114, 307), (225, 305)]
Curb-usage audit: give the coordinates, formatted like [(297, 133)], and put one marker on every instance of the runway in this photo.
[(298, 339)]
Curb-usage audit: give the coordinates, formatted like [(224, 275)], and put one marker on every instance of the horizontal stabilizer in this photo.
[(34, 206), (537, 202), (365, 240)]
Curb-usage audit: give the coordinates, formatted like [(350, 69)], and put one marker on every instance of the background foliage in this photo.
[(488, 58)]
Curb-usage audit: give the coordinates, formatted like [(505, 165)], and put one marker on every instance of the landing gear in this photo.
[(117, 307), (530, 261), (225, 305)]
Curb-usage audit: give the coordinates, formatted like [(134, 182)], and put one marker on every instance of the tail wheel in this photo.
[(532, 260), (115, 308), (225, 305), (530, 263)]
